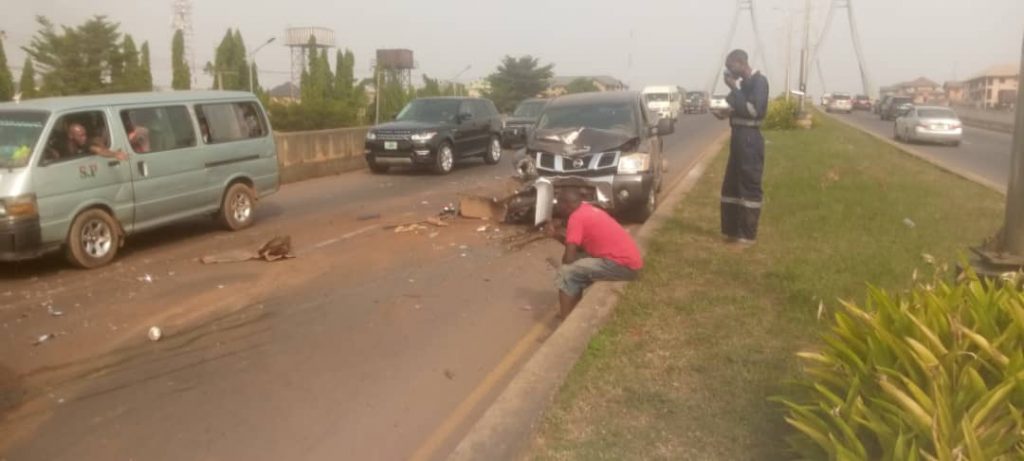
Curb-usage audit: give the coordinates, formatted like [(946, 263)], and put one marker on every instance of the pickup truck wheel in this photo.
[(237, 206), (445, 160), (642, 212), (93, 239), (493, 155)]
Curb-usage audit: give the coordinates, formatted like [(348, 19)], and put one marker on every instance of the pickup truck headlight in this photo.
[(423, 137), (634, 163), (22, 206), (371, 136)]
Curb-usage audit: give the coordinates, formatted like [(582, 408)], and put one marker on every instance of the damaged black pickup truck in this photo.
[(605, 144)]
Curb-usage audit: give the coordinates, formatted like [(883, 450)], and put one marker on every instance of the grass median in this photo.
[(685, 366)]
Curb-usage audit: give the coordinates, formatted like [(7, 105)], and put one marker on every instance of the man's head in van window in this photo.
[(77, 135)]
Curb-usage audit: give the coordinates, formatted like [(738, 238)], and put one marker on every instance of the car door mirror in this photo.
[(465, 117), (665, 127)]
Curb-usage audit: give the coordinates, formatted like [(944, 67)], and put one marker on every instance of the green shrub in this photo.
[(933, 374), (781, 114)]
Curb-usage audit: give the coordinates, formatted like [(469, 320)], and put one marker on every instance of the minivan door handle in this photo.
[(143, 169)]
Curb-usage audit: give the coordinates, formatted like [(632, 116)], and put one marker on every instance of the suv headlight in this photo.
[(423, 137), (371, 136), (634, 163), (22, 206)]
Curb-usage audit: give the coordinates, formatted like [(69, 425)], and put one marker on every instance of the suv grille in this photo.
[(398, 135), (584, 164)]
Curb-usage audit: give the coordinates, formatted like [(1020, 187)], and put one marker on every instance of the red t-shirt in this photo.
[(601, 236)]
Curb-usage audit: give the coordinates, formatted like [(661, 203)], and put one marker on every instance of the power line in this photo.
[(741, 6)]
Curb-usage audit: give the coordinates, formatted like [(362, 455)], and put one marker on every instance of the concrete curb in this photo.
[(505, 429), (988, 125), (1001, 188)]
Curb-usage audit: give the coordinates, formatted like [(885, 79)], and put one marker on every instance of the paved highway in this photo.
[(983, 153), (369, 345)]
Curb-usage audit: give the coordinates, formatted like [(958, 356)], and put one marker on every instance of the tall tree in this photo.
[(131, 75), (182, 76), (581, 85), (75, 60), (6, 79), (27, 83), (145, 72), (240, 62), (431, 87), (230, 71), (517, 79)]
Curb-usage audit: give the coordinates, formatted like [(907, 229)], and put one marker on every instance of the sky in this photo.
[(642, 42)]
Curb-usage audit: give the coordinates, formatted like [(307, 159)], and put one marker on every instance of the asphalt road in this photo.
[(369, 345), (982, 153)]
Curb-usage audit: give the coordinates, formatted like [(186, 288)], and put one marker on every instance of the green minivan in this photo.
[(80, 173)]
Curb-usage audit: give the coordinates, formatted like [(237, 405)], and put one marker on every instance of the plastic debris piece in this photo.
[(909, 223), (155, 334), (43, 338), (436, 222), (368, 216), (145, 278), (482, 228), (53, 312), (449, 374)]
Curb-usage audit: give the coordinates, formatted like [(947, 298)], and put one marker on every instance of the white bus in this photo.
[(665, 100)]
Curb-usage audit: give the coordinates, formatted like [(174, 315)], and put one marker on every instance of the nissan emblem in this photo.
[(577, 163)]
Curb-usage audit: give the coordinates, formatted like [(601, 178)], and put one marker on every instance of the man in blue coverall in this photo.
[(741, 189)]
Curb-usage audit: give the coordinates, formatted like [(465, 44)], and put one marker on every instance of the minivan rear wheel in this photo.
[(237, 207), (93, 240)]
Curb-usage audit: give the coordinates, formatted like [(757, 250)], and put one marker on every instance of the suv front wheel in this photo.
[(642, 211), (445, 159), (493, 155)]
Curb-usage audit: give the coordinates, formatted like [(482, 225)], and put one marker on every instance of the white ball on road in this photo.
[(155, 334)]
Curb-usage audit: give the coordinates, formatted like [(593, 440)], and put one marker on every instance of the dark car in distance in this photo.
[(436, 133), (517, 125), (696, 103), (606, 145), (891, 105), (861, 102)]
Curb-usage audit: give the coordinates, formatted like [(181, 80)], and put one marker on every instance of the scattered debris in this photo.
[(155, 334), (526, 307), (434, 234), (821, 309), (436, 222), (449, 374), (275, 249), (482, 228), (53, 312), (928, 259), (220, 287), (909, 223), (424, 203), (44, 338), (145, 278), (417, 306), (482, 208), (410, 228), (368, 216)]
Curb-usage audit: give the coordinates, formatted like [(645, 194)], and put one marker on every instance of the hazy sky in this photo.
[(639, 41)]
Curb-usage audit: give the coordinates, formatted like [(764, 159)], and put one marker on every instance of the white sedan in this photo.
[(928, 124)]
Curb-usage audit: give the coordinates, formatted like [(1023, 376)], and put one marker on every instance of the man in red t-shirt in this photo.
[(596, 248)]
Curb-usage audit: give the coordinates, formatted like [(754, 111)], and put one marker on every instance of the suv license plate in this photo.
[(390, 145)]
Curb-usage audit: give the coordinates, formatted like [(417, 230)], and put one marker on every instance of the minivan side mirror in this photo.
[(665, 127)]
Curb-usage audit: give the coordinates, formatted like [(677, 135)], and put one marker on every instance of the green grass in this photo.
[(684, 368)]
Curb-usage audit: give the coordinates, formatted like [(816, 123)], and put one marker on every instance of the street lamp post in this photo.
[(252, 62), (453, 81)]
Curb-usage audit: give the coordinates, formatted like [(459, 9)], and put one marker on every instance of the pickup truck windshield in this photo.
[(19, 133), (430, 111), (614, 117)]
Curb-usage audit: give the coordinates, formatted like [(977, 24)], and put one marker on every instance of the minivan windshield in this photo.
[(614, 117), (531, 109), (19, 133), (656, 97), (430, 111)]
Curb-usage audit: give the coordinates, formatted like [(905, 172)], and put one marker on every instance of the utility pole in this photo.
[(805, 52), (252, 61), (377, 95), (1006, 252), (789, 54)]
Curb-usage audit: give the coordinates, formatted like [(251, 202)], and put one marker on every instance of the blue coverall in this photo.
[(741, 189)]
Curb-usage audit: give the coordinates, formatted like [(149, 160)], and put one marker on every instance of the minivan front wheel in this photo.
[(493, 155), (445, 160), (237, 207), (93, 239)]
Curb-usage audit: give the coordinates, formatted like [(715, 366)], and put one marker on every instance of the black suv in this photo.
[(522, 119), (436, 132), (607, 145), (891, 105)]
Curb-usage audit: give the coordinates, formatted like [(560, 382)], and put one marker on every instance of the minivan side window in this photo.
[(76, 135), (233, 121), (158, 129)]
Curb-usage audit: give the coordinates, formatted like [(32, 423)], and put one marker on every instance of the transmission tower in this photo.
[(741, 6), (181, 19), (854, 35)]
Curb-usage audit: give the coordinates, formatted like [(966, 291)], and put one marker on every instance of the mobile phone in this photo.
[(727, 74)]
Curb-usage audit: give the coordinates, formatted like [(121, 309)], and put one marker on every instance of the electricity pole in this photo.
[(804, 56), (1006, 253)]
